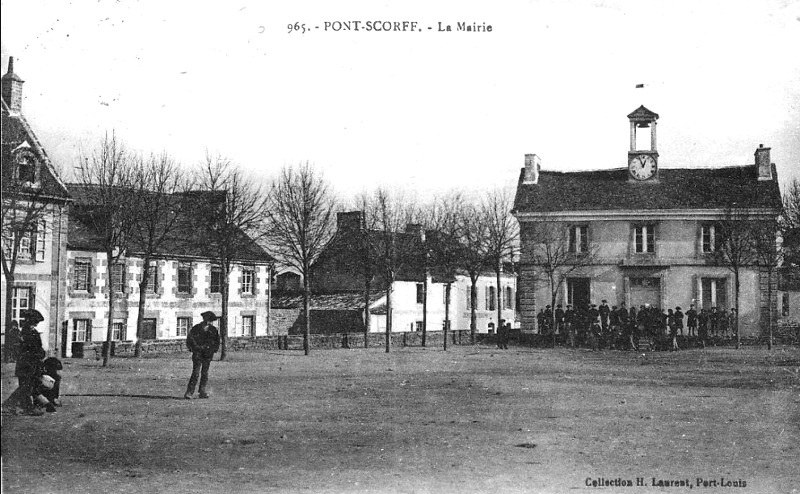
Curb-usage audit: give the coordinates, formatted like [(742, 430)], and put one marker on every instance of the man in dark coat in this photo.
[(29, 369), (691, 320), (203, 342)]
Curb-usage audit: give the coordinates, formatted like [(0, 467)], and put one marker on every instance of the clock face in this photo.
[(642, 166)]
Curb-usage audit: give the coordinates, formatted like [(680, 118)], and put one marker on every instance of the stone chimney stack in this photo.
[(12, 88), (350, 221), (533, 164), (763, 163)]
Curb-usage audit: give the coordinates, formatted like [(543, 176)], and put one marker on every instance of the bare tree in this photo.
[(443, 247), (363, 258), (790, 223), (556, 251), (25, 212), (475, 240), (393, 252), (105, 202), (768, 255), (233, 207), (503, 236), (158, 183), (299, 214), (736, 249)]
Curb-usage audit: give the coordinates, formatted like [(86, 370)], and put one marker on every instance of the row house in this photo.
[(34, 232), (337, 276), (184, 281), (653, 233)]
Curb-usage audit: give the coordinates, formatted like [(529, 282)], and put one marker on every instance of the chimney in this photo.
[(12, 88), (533, 165), (763, 163), (349, 221)]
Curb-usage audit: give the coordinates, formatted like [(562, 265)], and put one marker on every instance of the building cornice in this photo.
[(646, 214)]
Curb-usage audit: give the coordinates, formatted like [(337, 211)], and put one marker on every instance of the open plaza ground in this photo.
[(472, 419)]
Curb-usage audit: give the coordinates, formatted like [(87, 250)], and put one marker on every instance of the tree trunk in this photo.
[(736, 320), (553, 295), (137, 352), (7, 313), (307, 312), (446, 312), (110, 321), (388, 315), (497, 271), (769, 309), (473, 316), (223, 322), (367, 321), (425, 309)]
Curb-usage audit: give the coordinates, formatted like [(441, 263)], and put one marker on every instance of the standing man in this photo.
[(691, 320), (604, 311), (29, 369), (203, 342)]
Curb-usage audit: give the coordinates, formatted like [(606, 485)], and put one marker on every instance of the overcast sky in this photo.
[(421, 109)]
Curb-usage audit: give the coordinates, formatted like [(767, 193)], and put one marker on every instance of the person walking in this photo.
[(203, 342)]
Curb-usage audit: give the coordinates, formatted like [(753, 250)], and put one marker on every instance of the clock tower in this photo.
[(643, 159)]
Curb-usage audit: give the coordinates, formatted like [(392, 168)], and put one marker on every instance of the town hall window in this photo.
[(491, 298), (216, 279), (579, 239), (82, 274), (710, 238), (118, 277), (21, 299), (152, 278), (184, 277), (420, 293), (82, 330), (248, 280), (645, 238)]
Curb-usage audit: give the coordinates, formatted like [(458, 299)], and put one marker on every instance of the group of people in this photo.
[(38, 377), (620, 327)]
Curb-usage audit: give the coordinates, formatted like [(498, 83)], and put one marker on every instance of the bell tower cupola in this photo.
[(643, 154)]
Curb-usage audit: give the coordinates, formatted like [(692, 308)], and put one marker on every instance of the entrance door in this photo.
[(148, 329), (578, 292), (645, 291)]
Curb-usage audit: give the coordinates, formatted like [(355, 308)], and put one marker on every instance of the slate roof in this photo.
[(328, 301), (17, 132), (676, 188), (183, 242)]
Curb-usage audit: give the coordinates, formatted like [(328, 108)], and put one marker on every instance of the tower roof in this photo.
[(642, 114)]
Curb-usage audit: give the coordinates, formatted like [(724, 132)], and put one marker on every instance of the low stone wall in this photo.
[(784, 335)]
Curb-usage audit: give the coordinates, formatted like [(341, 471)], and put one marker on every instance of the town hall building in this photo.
[(651, 232)]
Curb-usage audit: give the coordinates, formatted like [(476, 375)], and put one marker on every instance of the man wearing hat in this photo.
[(203, 342), (29, 368)]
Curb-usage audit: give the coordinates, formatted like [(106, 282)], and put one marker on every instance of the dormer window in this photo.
[(25, 166)]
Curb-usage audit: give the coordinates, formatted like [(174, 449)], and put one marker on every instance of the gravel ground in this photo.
[(472, 419)]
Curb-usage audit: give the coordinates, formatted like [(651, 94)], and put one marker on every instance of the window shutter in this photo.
[(486, 291), (89, 338), (572, 242)]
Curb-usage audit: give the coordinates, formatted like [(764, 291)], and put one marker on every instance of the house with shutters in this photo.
[(184, 281), (34, 234), (653, 231)]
